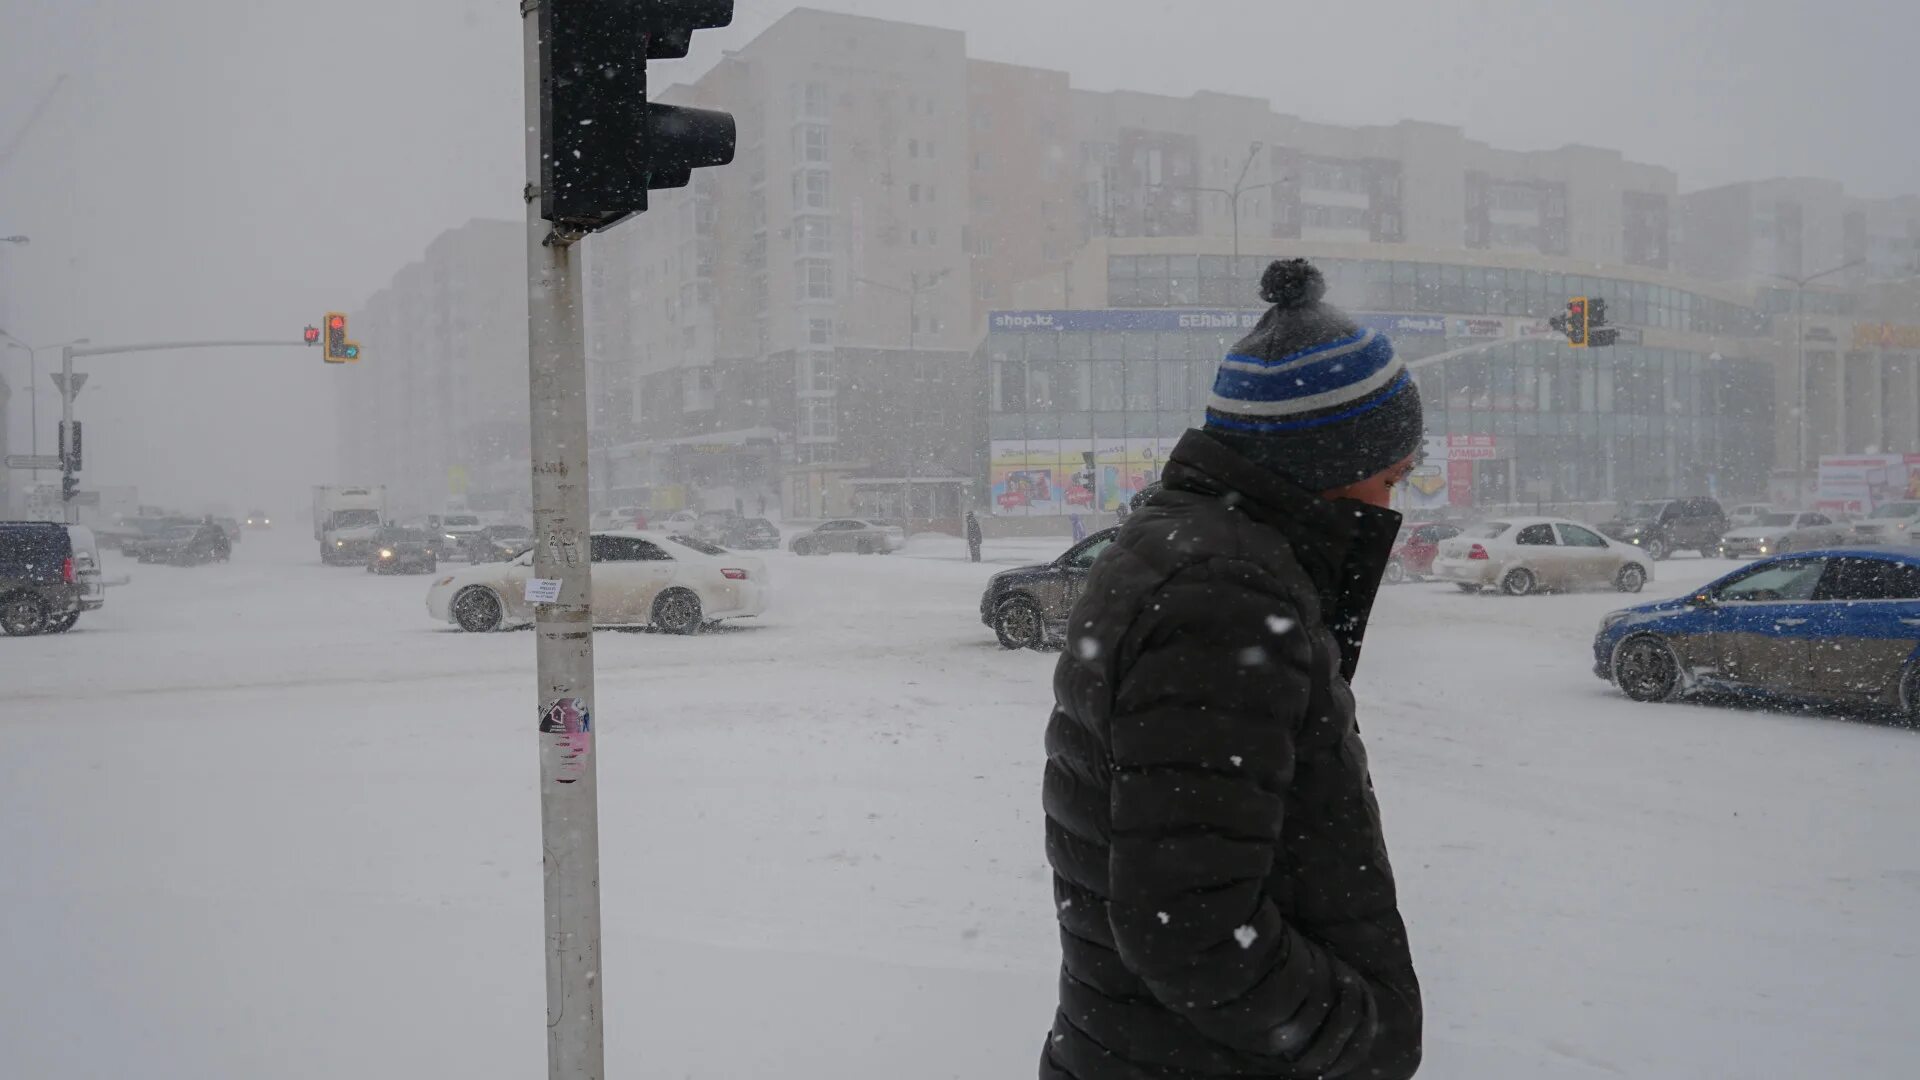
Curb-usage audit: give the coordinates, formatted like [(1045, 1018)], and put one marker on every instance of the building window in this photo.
[(913, 237), (819, 331), (812, 189), (813, 236), (813, 279), (913, 148), (983, 288), (933, 237), (810, 144), (812, 101), (913, 193), (933, 193), (930, 154), (982, 162), (982, 118)]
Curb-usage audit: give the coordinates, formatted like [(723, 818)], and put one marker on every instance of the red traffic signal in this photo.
[(337, 322), (338, 349), (312, 335)]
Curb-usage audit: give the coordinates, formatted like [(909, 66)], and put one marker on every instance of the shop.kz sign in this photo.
[(1173, 319)]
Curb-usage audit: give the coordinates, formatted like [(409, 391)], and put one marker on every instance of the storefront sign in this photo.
[(1885, 336), (1175, 319), (1477, 328), (1058, 477), (1857, 483)]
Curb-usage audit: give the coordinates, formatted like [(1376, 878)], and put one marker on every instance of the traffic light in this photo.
[(602, 144), (339, 349), (69, 486), (312, 335), (1574, 322), (1598, 335), (70, 445)]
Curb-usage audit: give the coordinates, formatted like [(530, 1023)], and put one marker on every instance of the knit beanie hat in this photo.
[(1309, 393)]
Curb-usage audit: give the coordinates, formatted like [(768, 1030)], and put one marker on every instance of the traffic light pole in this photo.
[(67, 392), (569, 785)]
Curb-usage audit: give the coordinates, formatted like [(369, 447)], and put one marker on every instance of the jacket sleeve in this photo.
[(1203, 731)]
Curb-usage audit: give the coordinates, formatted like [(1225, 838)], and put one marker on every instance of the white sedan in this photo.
[(1521, 555), (675, 584)]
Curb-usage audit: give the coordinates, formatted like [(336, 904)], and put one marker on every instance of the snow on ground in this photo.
[(268, 820)]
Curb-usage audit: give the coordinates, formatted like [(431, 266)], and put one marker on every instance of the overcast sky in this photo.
[(232, 168)]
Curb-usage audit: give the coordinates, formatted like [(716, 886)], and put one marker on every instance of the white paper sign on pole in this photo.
[(543, 590)]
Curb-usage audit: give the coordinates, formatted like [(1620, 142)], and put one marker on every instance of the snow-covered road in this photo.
[(268, 820)]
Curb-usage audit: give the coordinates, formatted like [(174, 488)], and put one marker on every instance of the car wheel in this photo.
[(477, 610), (1910, 696), (1657, 549), (1017, 624), (677, 611), (64, 623), (1645, 669), (865, 547), (803, 547), (1396, 572), (1631, 578), (23, 614), (1518, 582)]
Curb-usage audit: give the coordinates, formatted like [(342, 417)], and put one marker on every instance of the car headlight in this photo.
[(1612, 619), (339, 543), (450, 536), (386, 553)]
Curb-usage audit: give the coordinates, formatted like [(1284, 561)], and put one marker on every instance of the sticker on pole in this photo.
[(543, 590), (566, 722)]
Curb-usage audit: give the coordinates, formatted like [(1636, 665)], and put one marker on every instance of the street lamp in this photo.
[(1233, 194), (1800, 346), (16, 239)]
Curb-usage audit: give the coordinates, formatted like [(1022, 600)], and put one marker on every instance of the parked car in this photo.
[(1027, 608), (849, 534), (498, 543), (232, 527), (49, 574), (1784, 531), (714, 525), (1415, 549), (1663, 526), (1522, 555), (455, 529), (400, 550), (753, 534), (1889, 523), (258, 519), (676, 584), (190, 545), (1746, 515), (1840, 625), (679, 523)]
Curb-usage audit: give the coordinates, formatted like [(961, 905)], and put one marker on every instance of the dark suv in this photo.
[(49, 574), (1663, 526), (1028, 608)]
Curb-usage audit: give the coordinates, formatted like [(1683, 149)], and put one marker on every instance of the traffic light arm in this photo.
[(164, 346)]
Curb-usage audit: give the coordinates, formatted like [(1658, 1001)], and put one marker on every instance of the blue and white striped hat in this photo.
[(1310, 393)]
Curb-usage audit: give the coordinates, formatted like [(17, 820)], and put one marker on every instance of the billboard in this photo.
[(1059, 477), (1171, 319), (1857, 483)]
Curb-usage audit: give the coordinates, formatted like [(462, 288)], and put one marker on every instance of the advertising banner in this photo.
[(1056, 477), (1168, 319), (1858, 483)]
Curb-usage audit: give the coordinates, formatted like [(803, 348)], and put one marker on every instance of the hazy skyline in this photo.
[(229, 168)]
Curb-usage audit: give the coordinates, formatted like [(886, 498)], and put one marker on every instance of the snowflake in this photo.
[(1279, 624), (1246, 936)]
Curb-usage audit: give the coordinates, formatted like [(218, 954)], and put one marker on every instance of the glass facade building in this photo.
[(1084, 404)]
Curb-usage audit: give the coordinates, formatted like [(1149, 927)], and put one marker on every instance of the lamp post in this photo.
[(1233, 195), (1800, 347)]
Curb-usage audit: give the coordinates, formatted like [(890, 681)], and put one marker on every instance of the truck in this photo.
[(346, 519)]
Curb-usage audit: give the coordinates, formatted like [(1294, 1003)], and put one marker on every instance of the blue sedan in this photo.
[(1838, 626)]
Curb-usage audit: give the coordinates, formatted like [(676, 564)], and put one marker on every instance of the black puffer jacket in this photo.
[(1226, 907)]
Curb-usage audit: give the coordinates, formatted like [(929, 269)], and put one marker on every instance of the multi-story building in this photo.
[(438, 409), (1797, 228)]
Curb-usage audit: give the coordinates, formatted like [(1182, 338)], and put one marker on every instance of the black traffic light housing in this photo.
[(602, 144), (69, 487), (70, 446), (1599, 335)]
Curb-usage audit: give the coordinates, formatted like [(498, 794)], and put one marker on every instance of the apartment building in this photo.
[(1799, 227)]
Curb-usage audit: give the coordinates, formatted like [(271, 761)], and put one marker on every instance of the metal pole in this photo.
[(1800, 344), (569, 806), (33, 404), (70, 512)]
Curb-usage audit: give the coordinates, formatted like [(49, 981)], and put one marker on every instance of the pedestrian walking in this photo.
[(1079, 527), (1220, 872), (974, 537)]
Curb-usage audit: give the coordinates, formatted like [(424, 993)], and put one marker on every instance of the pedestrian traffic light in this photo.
[(69, 486), (312, 335), (1573, 323), (339, 349), (602, 144), (70, 445), (1599, 336)]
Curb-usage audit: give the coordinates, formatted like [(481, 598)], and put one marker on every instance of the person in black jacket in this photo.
[(974, 537), (1221, 881)]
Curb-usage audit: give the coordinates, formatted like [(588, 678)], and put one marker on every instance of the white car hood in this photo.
[(1759, 532)]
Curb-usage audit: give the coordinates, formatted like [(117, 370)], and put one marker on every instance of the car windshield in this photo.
[(512, 532), (1486, 530), (698, 545), (355, 519), (460, 521), (1896, 510), (1639, 510), (404, 536), (1774, 521), (182, 532)]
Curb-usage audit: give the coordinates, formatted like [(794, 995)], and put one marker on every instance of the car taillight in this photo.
[(66, 570), (734, 575), (1476, 552)]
